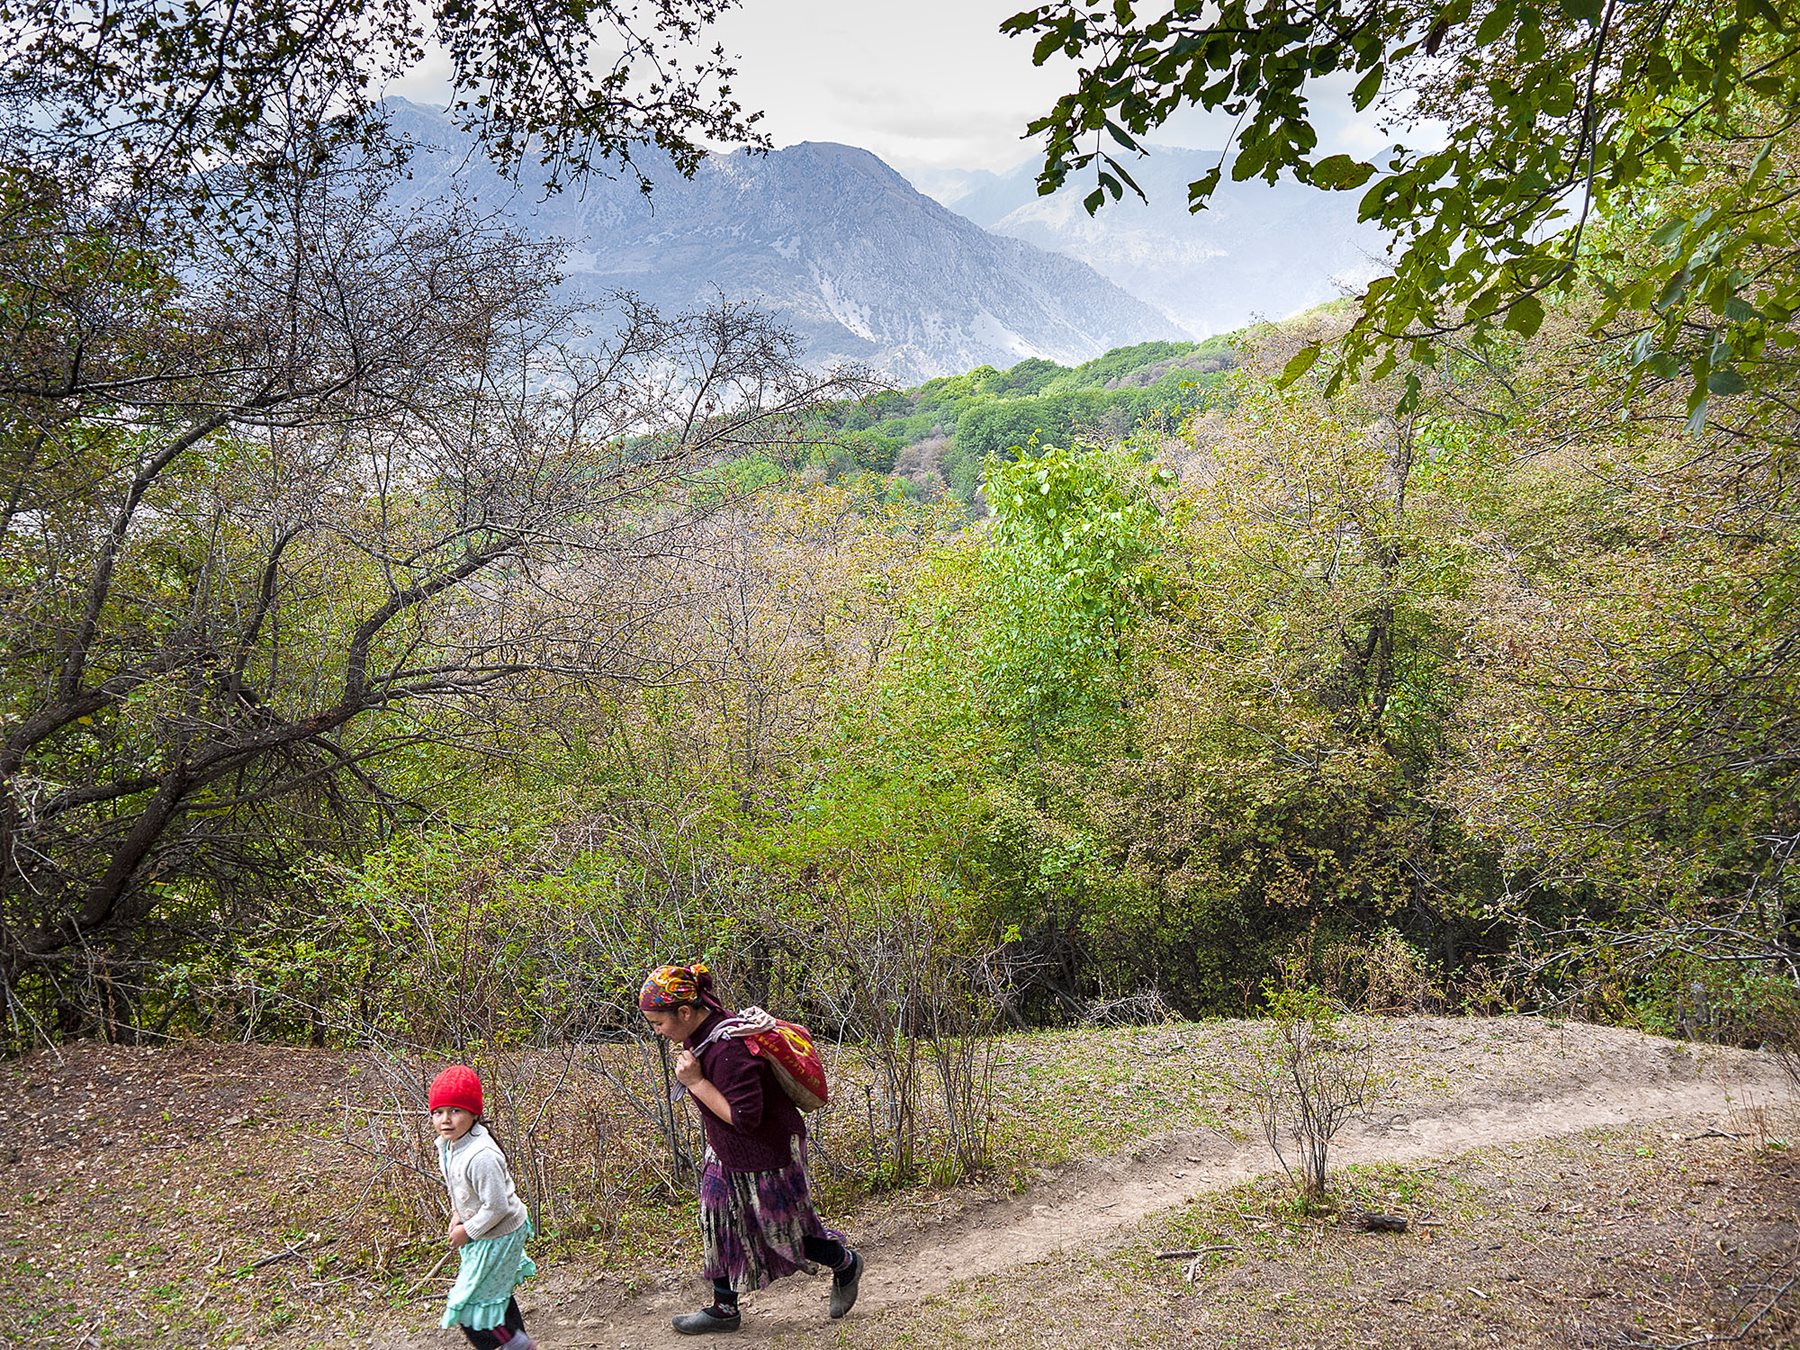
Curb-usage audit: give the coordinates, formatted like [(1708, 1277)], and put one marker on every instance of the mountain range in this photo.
[(1259, 250), (863, 267), (853, 259)]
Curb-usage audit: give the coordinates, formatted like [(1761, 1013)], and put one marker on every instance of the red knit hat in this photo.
[(456, 1086)]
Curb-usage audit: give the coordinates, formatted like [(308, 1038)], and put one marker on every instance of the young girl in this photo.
[(488, 1222), (756, 1212)]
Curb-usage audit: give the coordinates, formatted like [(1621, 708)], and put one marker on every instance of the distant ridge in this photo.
[(849, 255), (1258, 251)]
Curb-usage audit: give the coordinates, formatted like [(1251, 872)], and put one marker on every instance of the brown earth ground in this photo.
[(1565, 1185)]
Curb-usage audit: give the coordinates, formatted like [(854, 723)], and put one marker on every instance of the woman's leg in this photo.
[(846, 1270)]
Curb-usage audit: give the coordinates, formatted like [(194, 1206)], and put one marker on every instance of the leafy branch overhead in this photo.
[(584, 85), (1563, 135)]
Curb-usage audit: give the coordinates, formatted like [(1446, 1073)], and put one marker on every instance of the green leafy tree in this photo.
[(1294, 698), (280, 507), (1068, 572), (1628, 746), (1677, 116)]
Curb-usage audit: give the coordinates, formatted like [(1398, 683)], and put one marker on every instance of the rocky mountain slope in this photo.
[(858, 263)]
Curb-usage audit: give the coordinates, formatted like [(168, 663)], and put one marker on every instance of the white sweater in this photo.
[(480, 1184)]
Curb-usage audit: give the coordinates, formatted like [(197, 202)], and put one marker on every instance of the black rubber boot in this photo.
[(844, 1287), (709, 1319)]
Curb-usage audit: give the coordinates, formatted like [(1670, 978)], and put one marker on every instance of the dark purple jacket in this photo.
[(764, 1118)]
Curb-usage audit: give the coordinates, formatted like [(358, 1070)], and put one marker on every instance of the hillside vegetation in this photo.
[(400, 657), (933, 440), (1237, 679)]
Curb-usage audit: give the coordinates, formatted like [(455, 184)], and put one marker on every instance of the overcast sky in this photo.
[(932, 84), (928, 85), (924, 84)]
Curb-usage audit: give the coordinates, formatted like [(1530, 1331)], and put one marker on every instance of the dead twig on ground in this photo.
[(294, 1252), (424, 1279), (1194, 1256)]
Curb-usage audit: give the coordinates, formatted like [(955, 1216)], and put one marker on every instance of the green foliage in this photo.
[(490, 934), (1121, 362), (1555, 117), (1071, 567), (1367, 653), (990, 412), (987, 429), (1028, 377), (1476, 674), (738, 478)]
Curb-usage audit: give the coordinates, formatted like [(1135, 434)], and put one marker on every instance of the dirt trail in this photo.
[(1564, 1081)]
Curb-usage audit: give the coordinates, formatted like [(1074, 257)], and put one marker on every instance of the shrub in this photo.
[(1313, 1071)]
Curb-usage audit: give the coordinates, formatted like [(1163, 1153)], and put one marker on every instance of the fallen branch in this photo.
[(292, 1252), (1187, 1252), (1366, 1221), (423, 1279), (1194, 1256), (1193, 1267)]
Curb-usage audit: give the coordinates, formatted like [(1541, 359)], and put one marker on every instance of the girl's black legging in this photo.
[(490, 1340), (826, 1251)]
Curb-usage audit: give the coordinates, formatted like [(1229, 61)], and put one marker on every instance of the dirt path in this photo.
[(1568, 1080)]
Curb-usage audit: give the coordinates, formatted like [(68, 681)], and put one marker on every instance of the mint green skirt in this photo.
[(491, 1269)]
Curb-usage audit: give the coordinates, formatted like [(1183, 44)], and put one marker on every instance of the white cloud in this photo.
[(928, 85)]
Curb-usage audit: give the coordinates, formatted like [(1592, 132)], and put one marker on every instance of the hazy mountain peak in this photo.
[(840, 246)]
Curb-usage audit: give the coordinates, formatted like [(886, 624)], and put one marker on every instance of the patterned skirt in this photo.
[(491, 1269), (755, 1224)]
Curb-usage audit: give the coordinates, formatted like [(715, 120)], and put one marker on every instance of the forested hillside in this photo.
[(934, 439), (396, 654), (1484, 702)]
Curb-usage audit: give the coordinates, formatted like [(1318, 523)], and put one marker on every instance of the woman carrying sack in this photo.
[(756, 1211)]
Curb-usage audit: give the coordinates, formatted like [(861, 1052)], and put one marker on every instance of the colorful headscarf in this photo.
[(678, 986)]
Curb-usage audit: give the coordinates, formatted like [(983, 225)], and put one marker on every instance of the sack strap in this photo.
[(748, 1022)]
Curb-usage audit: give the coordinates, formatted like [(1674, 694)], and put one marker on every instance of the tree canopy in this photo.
[(1668, 119), (295, 479), (167, 89)]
